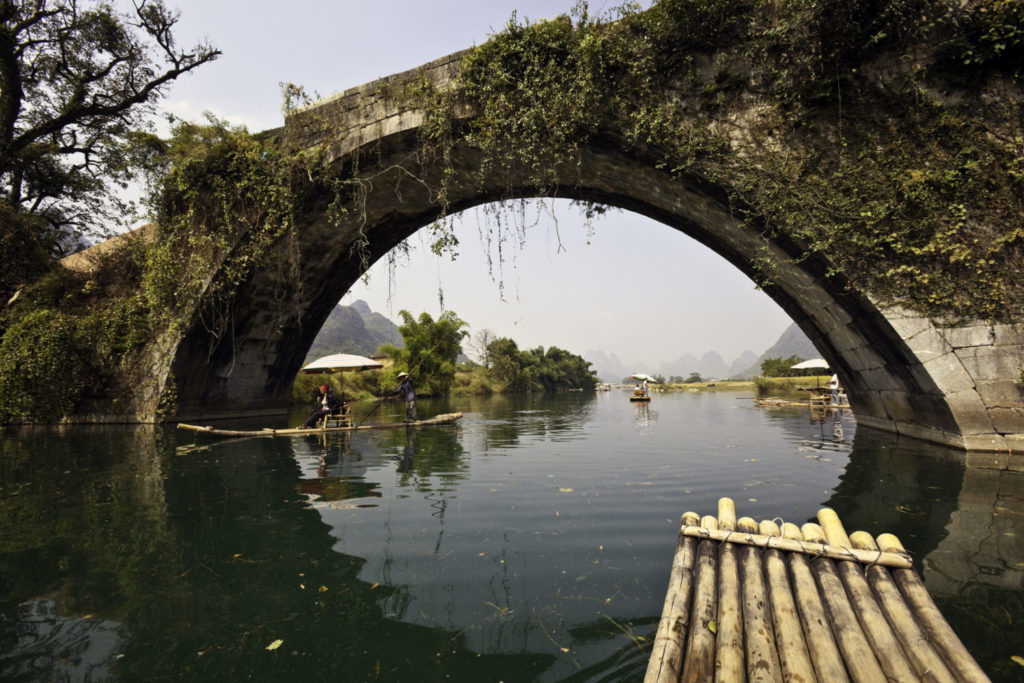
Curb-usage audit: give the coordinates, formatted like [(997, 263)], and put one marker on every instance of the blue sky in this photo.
[(630, 286)]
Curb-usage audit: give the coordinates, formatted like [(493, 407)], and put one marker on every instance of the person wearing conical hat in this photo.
[(409, 393)]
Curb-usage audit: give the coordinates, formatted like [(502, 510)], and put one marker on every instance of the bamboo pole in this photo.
[(876, 629), (828, 663), (666, 661), (926, 662), (935, 626), (699, 662), (729, 658), (860, 660), (789, 635), (759, 636), (726, 514), (889, 559)]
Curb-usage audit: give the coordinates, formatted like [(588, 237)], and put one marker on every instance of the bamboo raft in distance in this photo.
[(757, 602), (443, 419)]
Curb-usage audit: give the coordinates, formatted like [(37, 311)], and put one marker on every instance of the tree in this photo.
[(693, 378), (78, 87), (780, 367), (537, 369), (431, 348), (479, 345)]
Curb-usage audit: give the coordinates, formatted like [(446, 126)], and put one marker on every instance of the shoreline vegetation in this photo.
[(473, 380)]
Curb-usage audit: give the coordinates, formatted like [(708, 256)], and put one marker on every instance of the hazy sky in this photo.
[(630, 286)]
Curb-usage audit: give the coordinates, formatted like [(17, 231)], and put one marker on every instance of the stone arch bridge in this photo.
[(954, 386)]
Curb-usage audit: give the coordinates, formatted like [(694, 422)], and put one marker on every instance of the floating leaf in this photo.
[(276, 644), (1018, 659), (563, 490), (564, 649), (712, 626), (323, 589), (374, 586)]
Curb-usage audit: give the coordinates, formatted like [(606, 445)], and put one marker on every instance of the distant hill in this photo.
[(354, 329), (709, 366), (793, 342), (608, 368)]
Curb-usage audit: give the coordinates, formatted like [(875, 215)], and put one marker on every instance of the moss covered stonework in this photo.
[(863, 162)]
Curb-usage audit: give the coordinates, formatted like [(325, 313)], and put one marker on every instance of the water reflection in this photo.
[(531, 542), (645, 416), (54, 647)]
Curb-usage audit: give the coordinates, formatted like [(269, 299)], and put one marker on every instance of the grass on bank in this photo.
[(474, 381)]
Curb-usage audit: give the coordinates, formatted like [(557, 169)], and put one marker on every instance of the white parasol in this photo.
[(341, 362)]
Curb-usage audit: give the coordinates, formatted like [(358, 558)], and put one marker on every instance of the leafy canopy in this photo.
[(78, 83), (431, 347)]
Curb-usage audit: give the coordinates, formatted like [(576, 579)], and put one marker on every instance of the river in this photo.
[(531, 542)]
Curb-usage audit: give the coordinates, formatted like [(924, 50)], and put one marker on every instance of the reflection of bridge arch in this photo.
[(902, 373)]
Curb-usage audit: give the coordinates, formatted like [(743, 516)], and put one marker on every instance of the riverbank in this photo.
[(784, 387)]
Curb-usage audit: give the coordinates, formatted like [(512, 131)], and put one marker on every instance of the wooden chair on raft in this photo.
[(342, 418)]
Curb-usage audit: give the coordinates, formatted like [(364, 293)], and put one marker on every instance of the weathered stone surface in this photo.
[(971, 413), (1000, 393), (949, 374), (1015, 442), (897, 406), (986, 452), (928, 344), (988, 363), (969, 335), (907, 325), (1009, 335), (1007, 420)]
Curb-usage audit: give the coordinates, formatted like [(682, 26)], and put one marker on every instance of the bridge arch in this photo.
[(955, 386)]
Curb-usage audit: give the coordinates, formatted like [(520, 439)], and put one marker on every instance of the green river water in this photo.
[(530, 542)]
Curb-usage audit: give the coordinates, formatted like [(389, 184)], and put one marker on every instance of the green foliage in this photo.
[(844, 155), (44, 367), (26, 252), (990, 36), (537, 369), (782, 367), (431, 348), (225, 203), (79, 81), (693, 378)]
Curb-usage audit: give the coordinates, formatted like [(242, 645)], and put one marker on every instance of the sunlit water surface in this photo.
[(532, 542)]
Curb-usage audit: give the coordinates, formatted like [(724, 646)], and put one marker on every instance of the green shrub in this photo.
[(44, 367)]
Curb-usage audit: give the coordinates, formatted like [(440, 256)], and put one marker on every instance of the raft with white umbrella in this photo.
[(639, 392)]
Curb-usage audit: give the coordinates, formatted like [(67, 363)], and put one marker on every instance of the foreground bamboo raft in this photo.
[(757, 602)]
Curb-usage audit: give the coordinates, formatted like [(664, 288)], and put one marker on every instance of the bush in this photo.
[(43, 367)]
